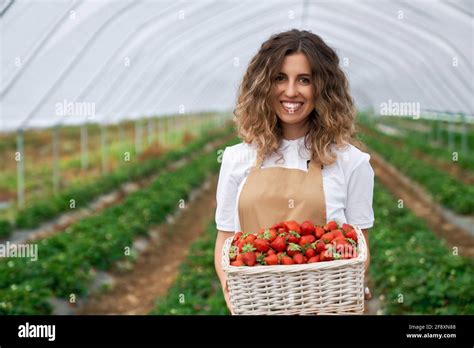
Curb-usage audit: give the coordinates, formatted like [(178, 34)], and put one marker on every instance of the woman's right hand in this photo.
[(221, 238)]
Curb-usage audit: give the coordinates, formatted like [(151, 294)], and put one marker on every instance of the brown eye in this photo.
[(305, 80), (279, 78)]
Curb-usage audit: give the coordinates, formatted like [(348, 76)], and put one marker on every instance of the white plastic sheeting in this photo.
[(72, 61)]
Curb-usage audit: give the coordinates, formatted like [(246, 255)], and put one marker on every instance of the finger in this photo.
[(367, 293)]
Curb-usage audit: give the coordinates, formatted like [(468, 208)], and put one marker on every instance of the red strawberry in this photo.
[(237, 237), (331, 225), (319, 231), (293, 237), (250, 238), (292, 226), (326, 255), (292, 249), (327, 237), (308, 239), (271, 260), (268, 234), (261, 245), (271, 252), (242, 241), (310, 252), (352, 235), (237, 263), (250, 259), (340, 241), (337, 233), (240, 257), (299, 258), (346, 227), (320, 247), (277, 226), (286, 260), (307, 227), (279, 244), (314, 259)]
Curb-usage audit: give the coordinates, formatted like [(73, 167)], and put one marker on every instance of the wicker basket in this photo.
[(332, 287)]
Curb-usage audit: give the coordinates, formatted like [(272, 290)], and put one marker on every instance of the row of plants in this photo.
[(414, 271), (420, 142), (43, 210), (197, 289), (445, 189), (68, 261)]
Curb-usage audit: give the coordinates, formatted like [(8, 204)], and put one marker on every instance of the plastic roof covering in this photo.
[(137, 58)]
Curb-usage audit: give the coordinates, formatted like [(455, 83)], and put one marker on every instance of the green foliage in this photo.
[(67, 261), (408, 260), (5, 228)]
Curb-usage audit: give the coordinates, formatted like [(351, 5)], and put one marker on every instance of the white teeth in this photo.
[(291, 107)]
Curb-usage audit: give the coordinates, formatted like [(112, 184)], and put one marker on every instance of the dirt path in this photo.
[(422, 205), (157, 267)]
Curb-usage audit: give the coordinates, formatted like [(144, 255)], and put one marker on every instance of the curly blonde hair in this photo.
[(332, 120)]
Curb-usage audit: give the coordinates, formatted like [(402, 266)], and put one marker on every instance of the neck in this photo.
[(294, 131)]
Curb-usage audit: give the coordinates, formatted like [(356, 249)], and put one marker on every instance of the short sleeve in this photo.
[(360, 190), (226, 195)]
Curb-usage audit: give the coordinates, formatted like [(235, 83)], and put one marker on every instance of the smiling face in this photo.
[(293, 91)]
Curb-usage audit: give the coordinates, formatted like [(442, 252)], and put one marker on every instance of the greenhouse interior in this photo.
[(116, 119)]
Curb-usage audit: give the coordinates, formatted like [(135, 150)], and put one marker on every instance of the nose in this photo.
[(290, 90)]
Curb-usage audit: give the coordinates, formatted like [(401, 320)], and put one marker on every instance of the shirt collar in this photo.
[(295, 142), (298, 144)]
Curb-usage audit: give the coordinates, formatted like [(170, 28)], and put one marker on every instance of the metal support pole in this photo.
[(166, 130), (121, 133), (439, 136), (138, 136), (150, 131), (56, 169), (84, 147), (20, 168), (451, 142), (103, 147), (464, 145)]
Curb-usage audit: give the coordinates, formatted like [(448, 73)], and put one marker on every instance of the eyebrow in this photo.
[(299, 75)]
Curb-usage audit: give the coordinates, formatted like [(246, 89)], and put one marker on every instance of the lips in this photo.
[(291, 107)]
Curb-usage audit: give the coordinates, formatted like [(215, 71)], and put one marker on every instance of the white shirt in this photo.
[(348, 183)]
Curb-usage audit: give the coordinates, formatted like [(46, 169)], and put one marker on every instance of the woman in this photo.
[(296, 118)]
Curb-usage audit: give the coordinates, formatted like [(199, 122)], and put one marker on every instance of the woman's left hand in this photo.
[(367, 293)]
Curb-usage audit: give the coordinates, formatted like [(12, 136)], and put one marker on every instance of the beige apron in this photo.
[(275, 194)]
